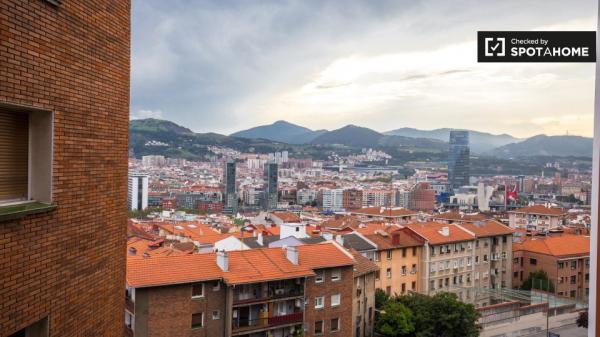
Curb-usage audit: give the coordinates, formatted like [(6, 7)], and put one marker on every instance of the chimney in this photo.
[(339, 239), (445, 231), (259, 239), (292, 254), (223, 260)]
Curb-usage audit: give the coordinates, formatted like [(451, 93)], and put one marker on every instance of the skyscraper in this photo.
[(458, 159), (229, 192), (271, 177), (64, 115), (137, 192)]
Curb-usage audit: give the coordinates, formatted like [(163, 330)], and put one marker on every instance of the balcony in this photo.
[(244, 325), (267, 292)]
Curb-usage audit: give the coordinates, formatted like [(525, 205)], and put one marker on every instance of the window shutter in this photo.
[(14, 149)]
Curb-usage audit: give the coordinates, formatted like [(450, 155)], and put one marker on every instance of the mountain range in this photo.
[(178, 141)]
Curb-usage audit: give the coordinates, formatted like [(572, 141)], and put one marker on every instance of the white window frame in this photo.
[(217, 316), (203, 291), (337, 297), (320, 276), (336, 274), (321, 300)]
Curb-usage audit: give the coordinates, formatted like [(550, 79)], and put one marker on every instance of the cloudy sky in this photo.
[(222, 66)]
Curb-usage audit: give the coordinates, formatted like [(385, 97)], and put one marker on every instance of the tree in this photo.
[(441, 315), (395, 320), (380, 298), (538, 280)]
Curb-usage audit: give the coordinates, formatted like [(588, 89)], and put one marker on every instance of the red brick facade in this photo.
[(166, 311), (68, 264), (327, 288)]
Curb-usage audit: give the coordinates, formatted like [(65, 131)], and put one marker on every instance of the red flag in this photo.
[(511, 193)]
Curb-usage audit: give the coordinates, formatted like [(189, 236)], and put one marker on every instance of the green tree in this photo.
[(441, 315), (395, 320), (538, 280), (380, 298)]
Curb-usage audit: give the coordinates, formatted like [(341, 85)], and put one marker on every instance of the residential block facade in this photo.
[(64, 74)]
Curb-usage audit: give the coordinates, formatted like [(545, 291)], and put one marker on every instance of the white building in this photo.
[(333, 200), (154, 161), (137, 192), (305, 195)]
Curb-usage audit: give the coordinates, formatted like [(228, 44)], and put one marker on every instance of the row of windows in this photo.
[(336, 275), (389, 253), (403, 272), (320, 301), (198, 318), (334, 325), (198, 289)]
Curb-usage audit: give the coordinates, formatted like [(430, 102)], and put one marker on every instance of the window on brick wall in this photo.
[(335, 324), (319, 302), (197, 320), (318, 327), (336, 274), (335, 300), (320, 276), (198, 290), (25, 155)]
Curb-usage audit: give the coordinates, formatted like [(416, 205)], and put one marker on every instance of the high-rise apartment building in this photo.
[(137, 192), (352, 199), (458, 159), (271, 178), (230, 201), (64, 115), (332, 199)]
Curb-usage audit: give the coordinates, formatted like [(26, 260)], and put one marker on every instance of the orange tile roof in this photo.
[(431, 232), (324, 255), (287, 217), (363, 265), (559, 246), (384, 212), (486, 228), (540, 209), (248, 266)]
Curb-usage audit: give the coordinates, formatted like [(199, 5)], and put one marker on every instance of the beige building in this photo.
[(537, 218), (464, 259)]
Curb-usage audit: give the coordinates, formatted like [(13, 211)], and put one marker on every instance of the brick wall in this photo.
[(167, 311), (344, 287), (69, 264)]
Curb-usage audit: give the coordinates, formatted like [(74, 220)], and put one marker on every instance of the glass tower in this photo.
[(458, 159), (229, 194), (270, 195)]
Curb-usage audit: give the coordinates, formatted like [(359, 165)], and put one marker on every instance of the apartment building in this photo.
[(352, 199), (537, 218), (363, 307), (566, 260), (332, 199), (376, 198), (397, 215), (399, 258), (64, 114), (258, 292), (458, 258)]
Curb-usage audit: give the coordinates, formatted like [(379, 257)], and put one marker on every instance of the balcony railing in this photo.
[(267, 322), (271, 294)]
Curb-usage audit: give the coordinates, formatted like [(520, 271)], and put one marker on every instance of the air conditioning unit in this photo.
[(279, 291)]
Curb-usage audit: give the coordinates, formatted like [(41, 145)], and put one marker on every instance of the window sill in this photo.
[(12, 212)]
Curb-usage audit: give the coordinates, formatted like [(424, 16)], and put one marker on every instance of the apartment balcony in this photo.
[(244, 325), (267, 293)]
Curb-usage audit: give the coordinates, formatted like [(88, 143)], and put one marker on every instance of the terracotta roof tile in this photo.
[(384, 212), (487, 228), (540, 209), (559, 246), (431, 231)]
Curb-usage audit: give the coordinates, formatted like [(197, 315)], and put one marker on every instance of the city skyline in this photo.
[(414, 66)]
